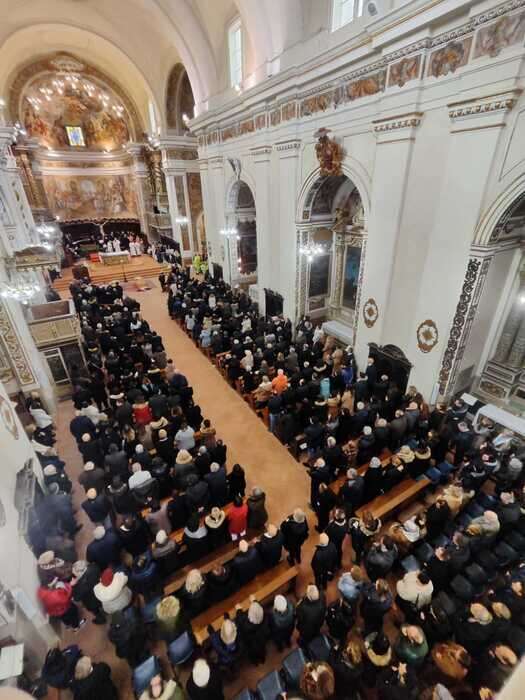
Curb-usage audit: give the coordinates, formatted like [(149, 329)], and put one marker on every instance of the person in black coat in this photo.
[(310, 615), (438, 514), (337, 530), (340, 618), (373, 480), (351, 492), (323, 505), (134, 535), (236, 482), (197, 493), (270, 547), (93, 681), (324, 561), (105, 548), (80, 425), (319, 474), (246, 564), (438, 568), (475, 629), (221, 582), (205, 682), (193, 594), (129, 638), (377, 601), (255, 631), (85, 578), (367, 446), (458, 552), (116, 462), (218, 485), (295, 533), (97, 507), (91, 450), (177, 510)]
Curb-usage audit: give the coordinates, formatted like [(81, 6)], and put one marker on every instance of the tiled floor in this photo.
[(267, 463)]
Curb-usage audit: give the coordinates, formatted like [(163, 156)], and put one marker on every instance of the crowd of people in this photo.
[(432, 606)]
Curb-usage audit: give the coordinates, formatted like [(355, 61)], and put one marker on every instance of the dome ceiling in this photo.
[(65, 103)]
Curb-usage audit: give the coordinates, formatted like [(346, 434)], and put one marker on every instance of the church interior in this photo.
[(262, 349)]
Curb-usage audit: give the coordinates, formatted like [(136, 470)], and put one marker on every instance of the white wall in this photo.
[(18, 569)]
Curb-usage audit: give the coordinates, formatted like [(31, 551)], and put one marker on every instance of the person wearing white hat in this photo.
[(205, 682)]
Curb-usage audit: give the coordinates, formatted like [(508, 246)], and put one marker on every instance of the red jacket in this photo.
[(238, 519), (56, 601), (142, 414)]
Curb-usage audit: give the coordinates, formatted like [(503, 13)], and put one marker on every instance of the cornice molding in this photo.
[(291, 145), (400, 121), (482, 112)]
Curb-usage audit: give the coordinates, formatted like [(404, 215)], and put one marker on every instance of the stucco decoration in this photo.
[(14, 349), (449, 58), (491, 40), (404, 71), (60, 91), (458, 322), (329, 154), (8, 417), (370, 312), (427, 335)]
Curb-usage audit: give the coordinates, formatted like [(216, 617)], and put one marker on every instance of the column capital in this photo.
[(216, 162), (399, 127), (482, 112), (261, 154)]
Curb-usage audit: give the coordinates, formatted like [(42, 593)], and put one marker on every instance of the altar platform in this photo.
[(142, 266)]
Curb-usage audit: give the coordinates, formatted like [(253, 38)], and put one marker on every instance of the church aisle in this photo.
[(267, 463)]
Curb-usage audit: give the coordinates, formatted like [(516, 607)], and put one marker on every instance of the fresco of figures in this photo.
[(91, 197), (102, 121)]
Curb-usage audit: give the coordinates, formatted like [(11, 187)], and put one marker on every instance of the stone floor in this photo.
[(266, 462)]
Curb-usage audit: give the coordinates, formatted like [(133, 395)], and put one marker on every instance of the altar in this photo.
[(118, 258)]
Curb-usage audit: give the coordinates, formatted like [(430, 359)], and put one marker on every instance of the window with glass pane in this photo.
[(235, 51), (343, 12)]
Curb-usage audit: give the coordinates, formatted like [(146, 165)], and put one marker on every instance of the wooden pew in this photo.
[(264, 587), (398, 497), (385, 459), (206, 564)]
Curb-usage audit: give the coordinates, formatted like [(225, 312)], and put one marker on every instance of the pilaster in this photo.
[(286, 251), (395, 136)]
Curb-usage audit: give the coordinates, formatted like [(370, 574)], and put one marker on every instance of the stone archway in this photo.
[(331, 215), (241, 248)]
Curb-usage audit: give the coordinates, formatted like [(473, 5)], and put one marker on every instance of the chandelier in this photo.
[(230, 232), (22, 289), (312, 250)]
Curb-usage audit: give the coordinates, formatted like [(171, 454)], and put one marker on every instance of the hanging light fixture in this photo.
[(312, 250), (229, 232), (22, 289)]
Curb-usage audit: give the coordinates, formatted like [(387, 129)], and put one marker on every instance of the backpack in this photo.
[(59, 666)]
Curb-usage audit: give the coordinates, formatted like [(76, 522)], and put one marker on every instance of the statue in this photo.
[(341, 220), (329, 154)]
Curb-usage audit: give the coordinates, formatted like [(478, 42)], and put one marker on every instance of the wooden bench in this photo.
[(385, 459), (263, 587), (399, 496), (216, 558)]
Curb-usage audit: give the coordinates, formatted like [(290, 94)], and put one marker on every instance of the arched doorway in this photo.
[(240, 249), (331, 242), (490, 358)]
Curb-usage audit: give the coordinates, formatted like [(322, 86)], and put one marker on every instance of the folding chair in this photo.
[(143, 674), (181, 649), (270, 687), (319, 648), (293, 666)]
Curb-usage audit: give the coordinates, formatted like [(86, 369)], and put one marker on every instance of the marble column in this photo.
[(517, 352), (174, 209), (509, 333)]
